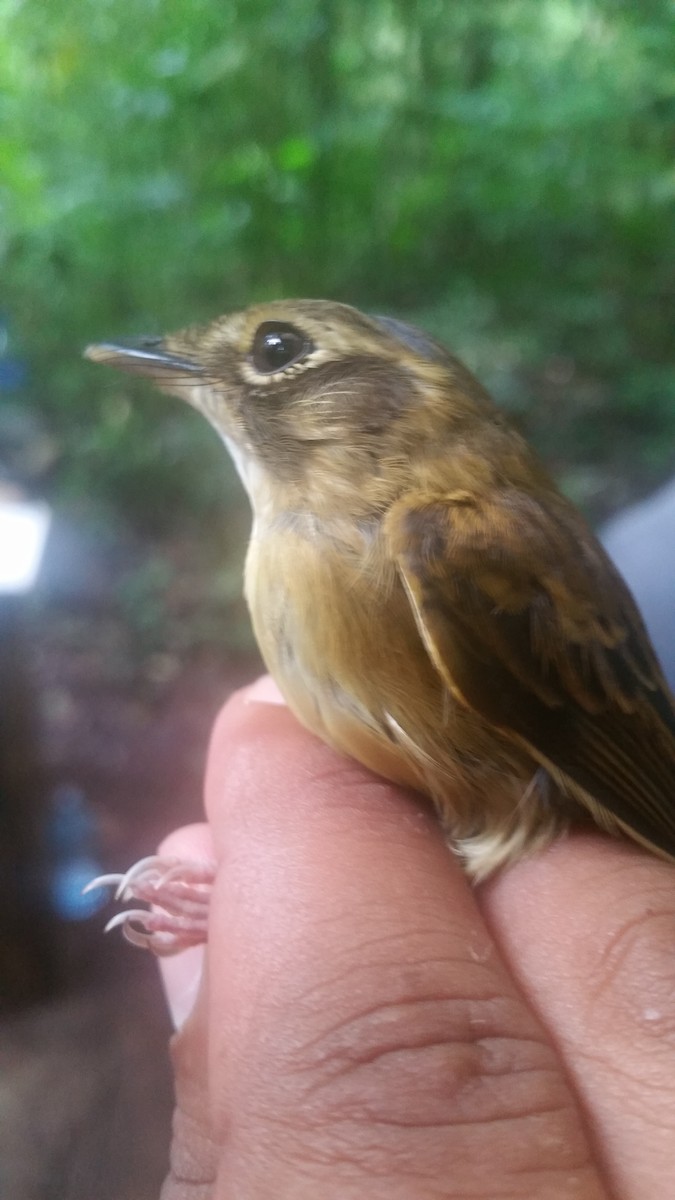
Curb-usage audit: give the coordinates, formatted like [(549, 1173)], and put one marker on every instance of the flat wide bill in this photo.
[(143, 356)]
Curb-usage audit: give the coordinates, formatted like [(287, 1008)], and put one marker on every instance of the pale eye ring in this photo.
[(277, 346)]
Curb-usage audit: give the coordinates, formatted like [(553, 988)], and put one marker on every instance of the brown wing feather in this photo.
[(531, 626)]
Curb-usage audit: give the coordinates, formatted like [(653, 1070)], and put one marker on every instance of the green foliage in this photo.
[(499, 172)]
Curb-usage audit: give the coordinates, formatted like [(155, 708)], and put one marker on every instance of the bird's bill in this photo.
[(144, 356)]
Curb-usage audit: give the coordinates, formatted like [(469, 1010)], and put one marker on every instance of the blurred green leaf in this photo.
[(501, 173)]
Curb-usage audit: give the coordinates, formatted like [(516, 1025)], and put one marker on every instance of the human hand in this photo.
[(368, 1025)]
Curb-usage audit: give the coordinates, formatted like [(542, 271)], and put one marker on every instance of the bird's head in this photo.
[(314, 399)]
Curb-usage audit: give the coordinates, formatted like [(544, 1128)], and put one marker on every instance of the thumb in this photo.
[(356, 1033)]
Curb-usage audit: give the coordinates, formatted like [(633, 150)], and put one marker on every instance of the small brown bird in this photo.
[(425, 598)]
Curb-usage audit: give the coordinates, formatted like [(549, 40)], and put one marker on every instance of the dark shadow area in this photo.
[(85, 1093)]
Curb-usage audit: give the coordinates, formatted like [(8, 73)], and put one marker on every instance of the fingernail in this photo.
[(181, 977), (263, 691)]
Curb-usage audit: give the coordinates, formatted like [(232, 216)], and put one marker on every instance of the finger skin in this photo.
[(357, 1033), (589, 929), (181, 973)]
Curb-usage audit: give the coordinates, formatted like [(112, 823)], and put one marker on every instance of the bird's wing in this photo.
[(530, 625)]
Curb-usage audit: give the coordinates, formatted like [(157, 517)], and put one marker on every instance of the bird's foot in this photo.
[(179, 892)]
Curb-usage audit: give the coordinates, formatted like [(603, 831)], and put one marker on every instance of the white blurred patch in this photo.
[(23, 532)]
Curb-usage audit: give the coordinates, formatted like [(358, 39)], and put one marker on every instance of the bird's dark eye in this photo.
[(277, 346)]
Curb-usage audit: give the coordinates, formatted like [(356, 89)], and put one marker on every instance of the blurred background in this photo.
[(500, 173)]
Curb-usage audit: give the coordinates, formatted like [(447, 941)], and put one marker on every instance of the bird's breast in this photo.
[(337, 633)]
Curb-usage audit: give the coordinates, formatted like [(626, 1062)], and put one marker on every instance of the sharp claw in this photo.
[(154, 872), (102, 881), (138, 914), (144, 938), (154, 934), (179, 892), (147, 867)]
